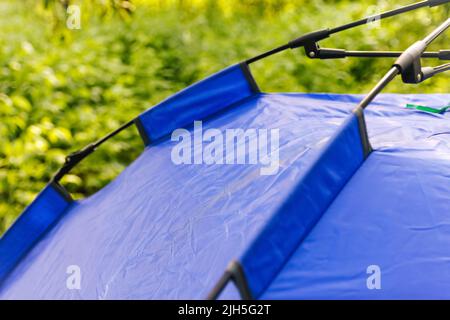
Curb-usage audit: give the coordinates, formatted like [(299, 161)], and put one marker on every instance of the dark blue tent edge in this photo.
[(36, 220), (197, 102), (315, 191)]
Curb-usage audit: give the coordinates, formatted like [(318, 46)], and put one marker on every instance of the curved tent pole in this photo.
[(327, 53), (409, 66), (428, 72), (76, 157), (309, 42)]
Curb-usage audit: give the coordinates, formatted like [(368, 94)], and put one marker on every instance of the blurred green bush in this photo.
[(61, 89)]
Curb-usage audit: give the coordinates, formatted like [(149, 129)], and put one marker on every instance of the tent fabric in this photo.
[(399, 220), (31, 225), (304, 207), (161, 230), (168, 231), (197, 102)]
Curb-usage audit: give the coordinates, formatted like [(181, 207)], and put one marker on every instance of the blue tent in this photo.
[(335, 205), (294, 196)]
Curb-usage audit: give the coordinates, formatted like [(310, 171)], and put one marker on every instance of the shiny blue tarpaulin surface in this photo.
[(393, 214), (168, 231), (50, 205), (304, 207)]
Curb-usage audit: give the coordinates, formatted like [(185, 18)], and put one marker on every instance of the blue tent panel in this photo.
[(197, 102), (304, 206), (35, 221), (394, 214)]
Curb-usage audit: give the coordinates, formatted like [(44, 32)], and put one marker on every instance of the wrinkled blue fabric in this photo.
[(167, 231), (394, 214), (31, 225), (304, 206)]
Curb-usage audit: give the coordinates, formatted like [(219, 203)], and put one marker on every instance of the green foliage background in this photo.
[(61, 89)]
